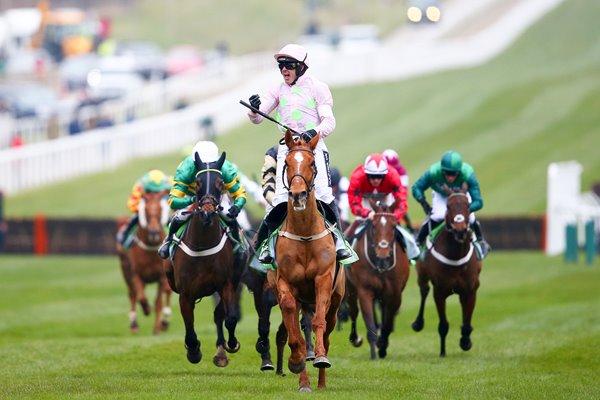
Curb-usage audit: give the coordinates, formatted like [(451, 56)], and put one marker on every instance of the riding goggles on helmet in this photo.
[(371, 176)]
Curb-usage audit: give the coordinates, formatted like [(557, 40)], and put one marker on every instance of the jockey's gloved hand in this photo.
[(308, 135), (233, 212), (255, 101), (426, 206)]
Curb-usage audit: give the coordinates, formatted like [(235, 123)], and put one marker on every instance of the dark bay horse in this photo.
[(377, 278), (204, 263), (141, 265), (307, 271), (451, 266)]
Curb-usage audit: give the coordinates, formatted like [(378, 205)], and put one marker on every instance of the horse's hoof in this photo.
[(305, 389), (164, 325), (382, 353), (233, 349), (267, 365), (417, 326), (194, 355), (296, 368), (310, 355), (321, 362), (221, 362), (357, 342), (466, 344)]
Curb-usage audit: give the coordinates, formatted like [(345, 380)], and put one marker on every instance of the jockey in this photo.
[(183, 193), (449, 173), (394, 161), (152, 181), (371, 179), (305, 104)]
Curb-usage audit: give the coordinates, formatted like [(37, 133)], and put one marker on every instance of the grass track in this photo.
[(63, 334)]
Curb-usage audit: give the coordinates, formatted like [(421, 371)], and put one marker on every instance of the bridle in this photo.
[(309, 186), (207, 204), (382, 244)]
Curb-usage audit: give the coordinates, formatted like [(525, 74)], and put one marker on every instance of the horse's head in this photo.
[(209, 187), (153, 213), (457, 214), (299, 170), (383, 232)]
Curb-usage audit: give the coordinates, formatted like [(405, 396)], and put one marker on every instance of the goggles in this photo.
[(450, 173), (288, 64), (380, 177)]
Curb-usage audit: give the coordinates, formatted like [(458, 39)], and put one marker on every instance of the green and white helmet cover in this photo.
[(451, 161)]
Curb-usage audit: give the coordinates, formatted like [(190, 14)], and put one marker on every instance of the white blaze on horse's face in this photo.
[(299, 204), (459, 218)]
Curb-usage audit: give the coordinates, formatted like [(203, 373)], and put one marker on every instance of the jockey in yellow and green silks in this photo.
[(152, 181), (183, 192)]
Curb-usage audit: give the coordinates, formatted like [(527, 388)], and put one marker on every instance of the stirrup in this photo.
[(265, 257), (163, 251)]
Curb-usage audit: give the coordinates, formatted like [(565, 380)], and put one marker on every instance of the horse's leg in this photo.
[(336, 300), (166, 310), (220, 359), (423, 282), (306, 325), (352, 300), (170, 274), (264, 326), (192, 344), (390, 305), (467, 301), (158, 308), (323, 290), (140, 294), (126, 270), (289, 312), (443, 326), (281, 338), (231, 302), (367, 309)]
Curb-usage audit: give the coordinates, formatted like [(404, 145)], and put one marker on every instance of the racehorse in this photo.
[(452, 267), (378, 277), (141, 264), (307, 271), (264, 301), (204, 263)]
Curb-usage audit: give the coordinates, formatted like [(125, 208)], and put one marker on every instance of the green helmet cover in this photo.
[(451, 161)]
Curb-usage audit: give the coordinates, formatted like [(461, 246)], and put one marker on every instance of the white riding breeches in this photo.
[(323, 191), (439, 205)]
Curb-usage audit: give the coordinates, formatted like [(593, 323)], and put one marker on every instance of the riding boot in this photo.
[(163, 251), (124, 233), (341, 252), (485, 247), (427, 227), (263, 234), (271, 222)]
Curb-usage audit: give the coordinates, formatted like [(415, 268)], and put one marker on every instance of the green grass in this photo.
[(534, 104), (64, 334)]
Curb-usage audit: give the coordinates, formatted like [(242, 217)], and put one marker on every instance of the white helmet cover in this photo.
[(208, 151), (375, 164), (294, 51)]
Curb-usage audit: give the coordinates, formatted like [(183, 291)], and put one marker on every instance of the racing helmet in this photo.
[(375, 164), (155, 181), (294, 52), (451, 162), (391, 156), (208, 151)]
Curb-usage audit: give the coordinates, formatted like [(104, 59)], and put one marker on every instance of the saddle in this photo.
[(479, 253)]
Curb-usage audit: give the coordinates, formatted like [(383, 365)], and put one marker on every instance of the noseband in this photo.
[(207, 199), (310, 186), (382, 244)]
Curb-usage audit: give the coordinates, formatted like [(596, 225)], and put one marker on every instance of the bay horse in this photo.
[(141, 265), (204, 263), (451, 265), (377, 278), (307, 271)]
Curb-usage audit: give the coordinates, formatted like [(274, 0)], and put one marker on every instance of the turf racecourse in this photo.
[(63, 334)]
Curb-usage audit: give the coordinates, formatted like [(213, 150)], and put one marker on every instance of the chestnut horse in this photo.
[(307, 271), (204, 263), (141, 264), (379, 277), (451, 266)]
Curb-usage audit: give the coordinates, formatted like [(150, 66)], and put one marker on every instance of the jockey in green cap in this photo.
[(183, 193), (450, 173)]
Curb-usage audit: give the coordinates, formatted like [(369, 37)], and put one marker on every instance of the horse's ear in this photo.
[(314, 141), (198, 161), (221, 160), (373, 203), (289, 139)]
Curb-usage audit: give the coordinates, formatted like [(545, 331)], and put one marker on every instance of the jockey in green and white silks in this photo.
[(450, 173), (183, 193)]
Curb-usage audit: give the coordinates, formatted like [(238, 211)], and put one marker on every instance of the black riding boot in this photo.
[(485, 247), (341, 252), (263, 233), (271, 222), (426, 229), (163, 251), (122, 236)]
